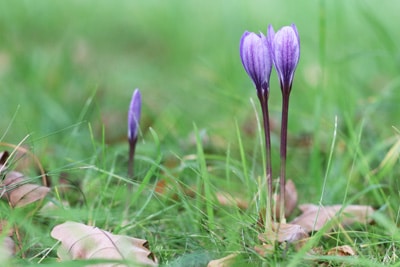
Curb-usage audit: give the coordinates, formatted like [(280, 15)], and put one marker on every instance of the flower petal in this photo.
[(286, 54), (134, 115), (256, 58)]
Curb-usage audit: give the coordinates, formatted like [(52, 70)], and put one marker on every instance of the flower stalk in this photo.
[(267, 135), (285, 47)]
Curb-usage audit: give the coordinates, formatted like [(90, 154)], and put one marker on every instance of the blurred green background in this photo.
[(68, 69)]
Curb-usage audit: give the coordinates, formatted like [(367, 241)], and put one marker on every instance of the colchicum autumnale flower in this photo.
[(256, 59), (285, 51), (133, 126)]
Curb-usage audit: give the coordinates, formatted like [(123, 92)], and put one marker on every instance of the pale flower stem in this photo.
[(283, 149), (265, 112)]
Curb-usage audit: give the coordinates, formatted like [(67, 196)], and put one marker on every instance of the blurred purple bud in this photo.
[(256, 59), (285, 50), (134, 116)]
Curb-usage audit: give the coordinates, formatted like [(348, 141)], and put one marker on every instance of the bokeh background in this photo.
[(68, 69)]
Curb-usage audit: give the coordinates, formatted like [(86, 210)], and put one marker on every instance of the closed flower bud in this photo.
[(134, 116), (256, 59), (285, 50)]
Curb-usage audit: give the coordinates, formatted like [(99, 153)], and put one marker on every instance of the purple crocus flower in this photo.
[(134, 116), (285, 51), (256, 59), (133, 127)]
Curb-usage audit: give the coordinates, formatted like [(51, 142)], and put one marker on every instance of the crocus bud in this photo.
[(134, 116), (256, 59), (285, 50)]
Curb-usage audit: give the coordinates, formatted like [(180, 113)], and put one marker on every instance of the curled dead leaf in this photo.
[(18, 192), (24, 159), (314, 217), (80, 241), (283, 232)]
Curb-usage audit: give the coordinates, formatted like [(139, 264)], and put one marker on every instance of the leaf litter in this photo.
[(7, 245), (80, 241), (312, 218), (16, 188)]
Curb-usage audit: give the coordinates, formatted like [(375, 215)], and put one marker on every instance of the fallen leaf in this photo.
[(226, 199), (7, 245), (223, 262), (264, 249), (314, 217), (18, 192), (283, 232), (15, 187), (340, 251), (345, 250), (290, 199), (80, 241), (22, 159)]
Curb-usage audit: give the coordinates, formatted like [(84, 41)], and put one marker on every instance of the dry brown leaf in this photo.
[(24, 159), (7, 245), (226, 199), (345, 250), (80, 241), (290, 199), (283, 232), (15, 188), (265, 249), (18, 192), (223, 262), (314, 217)]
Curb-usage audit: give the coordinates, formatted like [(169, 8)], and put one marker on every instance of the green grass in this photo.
[(67, 72)]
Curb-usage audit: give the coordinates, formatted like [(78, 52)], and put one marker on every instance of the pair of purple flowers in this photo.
[(259, 53)]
